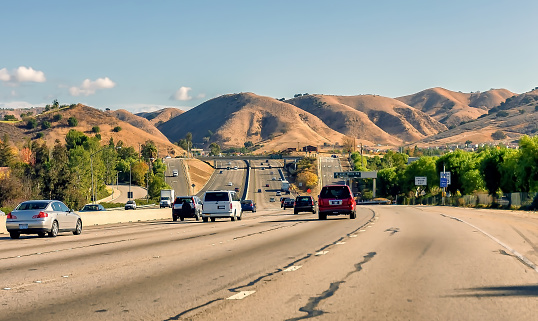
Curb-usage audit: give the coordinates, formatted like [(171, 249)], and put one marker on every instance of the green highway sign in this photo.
[(353, 174)]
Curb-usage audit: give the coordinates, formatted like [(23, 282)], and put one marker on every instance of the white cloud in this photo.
[(138, 108), (89, 87), (23, 74), (20, 104), (182, 94), (4, 75)]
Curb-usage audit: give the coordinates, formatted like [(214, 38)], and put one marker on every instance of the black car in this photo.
[(288, 203), (304, 204)]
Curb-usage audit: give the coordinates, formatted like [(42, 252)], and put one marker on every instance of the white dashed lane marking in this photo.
[(321, 253), (241, 295), (293, 268), (340, 243)]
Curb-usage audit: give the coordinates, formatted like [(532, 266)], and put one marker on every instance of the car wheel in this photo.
[(212, 219), (240, 216), (295, 212), (14, 235), (197, 217), (313, 211), (174, 218), (232, 218), (78, 228), (205, 219), (353, 215), (54, 229), (322, 216), (181, 218)]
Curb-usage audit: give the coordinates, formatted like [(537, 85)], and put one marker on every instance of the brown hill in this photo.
[(89, 117), (515, 117), (451, 108), (161, 116), (137, 121), (371, 118), (235, 119)]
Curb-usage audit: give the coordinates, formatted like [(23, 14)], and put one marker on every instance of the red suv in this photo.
[(336, 200)]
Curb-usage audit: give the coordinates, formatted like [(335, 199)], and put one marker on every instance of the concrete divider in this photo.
[(112, 217)]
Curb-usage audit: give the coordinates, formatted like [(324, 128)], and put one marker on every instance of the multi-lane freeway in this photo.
[(391, 263)]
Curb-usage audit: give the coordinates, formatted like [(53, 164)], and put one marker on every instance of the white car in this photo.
[(230, 184), (175, 173), (221, 204)]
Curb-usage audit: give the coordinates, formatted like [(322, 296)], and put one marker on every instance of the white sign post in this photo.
[(421, 180)]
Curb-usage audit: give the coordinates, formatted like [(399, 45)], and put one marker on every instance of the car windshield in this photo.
[(32, 206), (216, 196), (335, 192)]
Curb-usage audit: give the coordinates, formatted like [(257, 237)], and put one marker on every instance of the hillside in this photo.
[(235, 119), (516, 117), (137, 121), (89, 117), (370, 118), (161, 116), (451, 108)]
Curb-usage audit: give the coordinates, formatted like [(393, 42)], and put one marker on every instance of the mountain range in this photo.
[(433, 116)]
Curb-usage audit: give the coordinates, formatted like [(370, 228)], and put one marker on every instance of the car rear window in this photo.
[(335, 192), (91, 208), (32, 206), (303, 199), (246, 202), (216, 197), (183, 199)]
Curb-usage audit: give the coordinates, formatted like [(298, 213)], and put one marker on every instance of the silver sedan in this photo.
[(42, 217)]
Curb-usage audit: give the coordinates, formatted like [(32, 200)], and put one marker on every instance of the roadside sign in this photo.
[(129, 194), (447, 176), (444, 182), (421, 180), (355, 174)]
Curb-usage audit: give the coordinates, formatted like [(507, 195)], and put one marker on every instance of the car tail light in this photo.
[(231, 206), (11, 216), (41, 215)]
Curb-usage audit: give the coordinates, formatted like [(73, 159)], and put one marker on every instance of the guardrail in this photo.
[(247, 178)]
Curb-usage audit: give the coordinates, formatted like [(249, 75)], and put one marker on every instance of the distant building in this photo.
[(310, 148)]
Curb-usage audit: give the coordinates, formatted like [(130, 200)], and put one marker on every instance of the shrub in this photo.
[(498, 135), (72, 121), (9, 117), (57, 117), (45, 125), (117, 129), (39, 135), (96, 129), (31, 123), (502, 113)]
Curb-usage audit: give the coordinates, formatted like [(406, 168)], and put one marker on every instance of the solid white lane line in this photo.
[(340, 243), (321, 253), (241, 295), (293, 268), (522, 258)]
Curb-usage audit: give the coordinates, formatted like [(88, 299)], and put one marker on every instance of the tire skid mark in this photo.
[(313, 302)]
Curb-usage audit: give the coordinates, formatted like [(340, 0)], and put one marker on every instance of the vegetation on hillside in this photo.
[(64, 172)]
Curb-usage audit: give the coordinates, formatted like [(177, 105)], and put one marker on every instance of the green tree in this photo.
[(76, 138), (31, 123), (527, 170), (7, 157), (72, 122), (46, 125), (498, 135), (96, 129), (55, 104), (10, 117), (57, 117), (214, 149), (425, 167), (149, 150), (117, 129), (248, 144)]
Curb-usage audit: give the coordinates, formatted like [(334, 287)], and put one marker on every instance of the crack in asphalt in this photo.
[(311, 307), (178, 316)]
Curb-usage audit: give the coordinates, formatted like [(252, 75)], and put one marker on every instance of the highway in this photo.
[(391, 263), (329, 166), (178, 183)]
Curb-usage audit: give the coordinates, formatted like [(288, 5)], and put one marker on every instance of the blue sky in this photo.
[(144, 55)]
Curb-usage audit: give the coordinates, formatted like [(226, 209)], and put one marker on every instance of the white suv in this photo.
[(221, 204)]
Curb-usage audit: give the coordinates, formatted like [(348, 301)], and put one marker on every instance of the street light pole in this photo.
[(129, 195)]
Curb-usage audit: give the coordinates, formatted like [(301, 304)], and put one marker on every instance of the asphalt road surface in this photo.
[(178, 183), (391, 263), (329, 166)]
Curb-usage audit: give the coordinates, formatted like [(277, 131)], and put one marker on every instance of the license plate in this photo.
[(336, 202), (220, 207), (23, 226)]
